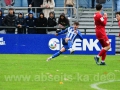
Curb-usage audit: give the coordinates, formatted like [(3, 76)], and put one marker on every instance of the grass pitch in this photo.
[(66, 72)]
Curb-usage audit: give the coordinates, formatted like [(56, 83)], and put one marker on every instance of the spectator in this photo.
[(116, 4), (9, 20), (2, 31), (69, 4), (100, 1), (37, 3), (49, 5), (41, 22), (63, 22), (31, 22), (2, 4), (29, 2), (9, 2), (92, 3), (51, 22), (20, 24)]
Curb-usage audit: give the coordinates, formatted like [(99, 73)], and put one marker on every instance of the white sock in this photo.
[(103, 61), (98, 56), (70, 48)]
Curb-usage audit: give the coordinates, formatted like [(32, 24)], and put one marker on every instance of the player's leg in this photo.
[(106, 46), (57, 54), (103, 59), (68, 41), (104, 55)]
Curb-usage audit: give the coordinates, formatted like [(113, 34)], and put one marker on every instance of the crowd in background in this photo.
[(45, 16), (22, 24)]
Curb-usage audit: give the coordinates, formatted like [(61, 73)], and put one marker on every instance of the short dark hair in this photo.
[(11, 9), (118, 13), (98, 7), (76, 23)]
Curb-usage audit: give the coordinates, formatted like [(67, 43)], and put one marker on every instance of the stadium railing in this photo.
[(83, 27)]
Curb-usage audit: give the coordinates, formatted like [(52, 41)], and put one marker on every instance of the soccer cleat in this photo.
[(49, 59), (96, 60), (71, 51), (102, 63)]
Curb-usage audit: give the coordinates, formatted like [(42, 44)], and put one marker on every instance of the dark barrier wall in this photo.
[(39, 44)]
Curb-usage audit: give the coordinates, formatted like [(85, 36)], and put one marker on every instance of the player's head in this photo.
[(98, 7), (118, 16), (76, 25)]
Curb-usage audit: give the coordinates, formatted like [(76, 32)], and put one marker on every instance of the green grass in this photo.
[(66, 72)]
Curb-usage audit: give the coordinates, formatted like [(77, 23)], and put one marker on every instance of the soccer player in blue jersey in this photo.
[(71, 34)]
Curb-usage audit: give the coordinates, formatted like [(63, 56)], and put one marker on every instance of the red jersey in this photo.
[(119, 23), (119, 27), (100, 23)]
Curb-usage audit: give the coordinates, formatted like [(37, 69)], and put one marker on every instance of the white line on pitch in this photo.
[(95, 85)]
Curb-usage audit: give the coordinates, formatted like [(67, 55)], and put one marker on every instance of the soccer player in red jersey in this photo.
[(100, 23), (118, 19)]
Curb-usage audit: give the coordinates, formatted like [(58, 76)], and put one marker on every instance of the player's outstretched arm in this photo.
[(62, 31)]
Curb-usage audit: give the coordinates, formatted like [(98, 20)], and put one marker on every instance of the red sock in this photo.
[(103, 57), (102, 52)]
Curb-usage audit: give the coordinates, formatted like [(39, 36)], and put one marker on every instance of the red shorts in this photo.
[(104, 42)]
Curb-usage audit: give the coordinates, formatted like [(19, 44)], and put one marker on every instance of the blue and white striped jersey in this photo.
[(70, 33)]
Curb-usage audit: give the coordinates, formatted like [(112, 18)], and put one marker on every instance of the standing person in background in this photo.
[(41, 22), (2, 31), (9, 20), (92, 3), (37, 3), (116, 5), (51, 22), (29, 2), (63, 22), (2, 4), (49, 5), (20, 24), (69, 11), (9, 2), (31, 22)]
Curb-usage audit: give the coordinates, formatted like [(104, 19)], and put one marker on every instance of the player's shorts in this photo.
[(63, 42), (65, 45), (104, 42)]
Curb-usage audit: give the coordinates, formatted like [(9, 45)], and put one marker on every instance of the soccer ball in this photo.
[(52, 44)]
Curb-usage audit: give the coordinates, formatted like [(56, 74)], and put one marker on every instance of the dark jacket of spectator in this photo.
[(37, 3), (41, 22), (1, 19), (31, 22), (63, 21), (20, 24), (52, 21), (9, 20)]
